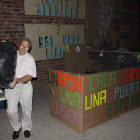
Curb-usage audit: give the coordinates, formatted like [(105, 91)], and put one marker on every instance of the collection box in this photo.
[(83, 101)]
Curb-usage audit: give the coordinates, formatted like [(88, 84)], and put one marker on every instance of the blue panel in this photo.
[(67, 11), (72, 14), (51, 10), (61, 2), (39, 9), (57, 10), (61, 51), (52, 41), (64, 39), (56, 52), (69, 40), (124, 35), (48, 1), (57, 2), (46, 41), (78, 39), (67, 3), (48, 56), (74, 39), (54, 2), (78, 3), (66, 49), (43, 1), (77, 12), (52, 50), (41, 42), (45, 9), (61, 11)]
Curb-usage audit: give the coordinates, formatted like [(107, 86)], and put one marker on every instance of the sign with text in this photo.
[(59, 8), (84, 101), (51, 41)]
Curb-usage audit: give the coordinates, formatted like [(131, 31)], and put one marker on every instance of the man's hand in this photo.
[(3, 41), (12, 85)]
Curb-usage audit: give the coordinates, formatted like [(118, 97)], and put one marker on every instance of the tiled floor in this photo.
[(45, 127)]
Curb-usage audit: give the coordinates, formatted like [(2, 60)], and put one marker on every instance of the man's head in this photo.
[(24, 46)]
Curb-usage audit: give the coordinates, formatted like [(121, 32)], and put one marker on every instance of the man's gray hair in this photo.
[(27, 39)]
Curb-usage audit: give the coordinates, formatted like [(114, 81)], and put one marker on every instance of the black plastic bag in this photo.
[(8, 58)]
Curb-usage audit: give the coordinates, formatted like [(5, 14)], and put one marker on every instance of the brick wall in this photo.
[(139, 21), (42, 66), (12, 20)]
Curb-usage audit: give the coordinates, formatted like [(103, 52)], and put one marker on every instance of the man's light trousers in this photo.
[(20, 94)]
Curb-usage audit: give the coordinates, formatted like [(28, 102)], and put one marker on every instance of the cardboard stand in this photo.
[(82, 101)]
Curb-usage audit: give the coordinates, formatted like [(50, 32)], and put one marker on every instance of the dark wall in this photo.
[(113, 24)]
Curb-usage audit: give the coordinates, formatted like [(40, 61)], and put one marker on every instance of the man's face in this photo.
[(24, 47)]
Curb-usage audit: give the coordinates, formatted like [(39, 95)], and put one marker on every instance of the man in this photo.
[(21, 91)]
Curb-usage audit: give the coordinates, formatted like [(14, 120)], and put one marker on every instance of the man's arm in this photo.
[(24, 79)]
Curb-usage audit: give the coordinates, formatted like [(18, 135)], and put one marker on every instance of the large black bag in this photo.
[(8, 58)]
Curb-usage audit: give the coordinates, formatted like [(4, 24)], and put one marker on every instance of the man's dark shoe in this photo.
[(16, 134), (27, 134)]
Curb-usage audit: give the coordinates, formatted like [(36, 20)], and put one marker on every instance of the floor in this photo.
[(45, 127)]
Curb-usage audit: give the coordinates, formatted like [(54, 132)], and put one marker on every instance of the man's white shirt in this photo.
[(25, 65)]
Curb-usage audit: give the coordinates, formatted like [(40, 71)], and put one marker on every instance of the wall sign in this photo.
[(50, 41), (59, 8)]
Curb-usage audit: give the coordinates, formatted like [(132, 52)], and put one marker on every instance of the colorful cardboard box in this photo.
[(86, 100), (82, 101)]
